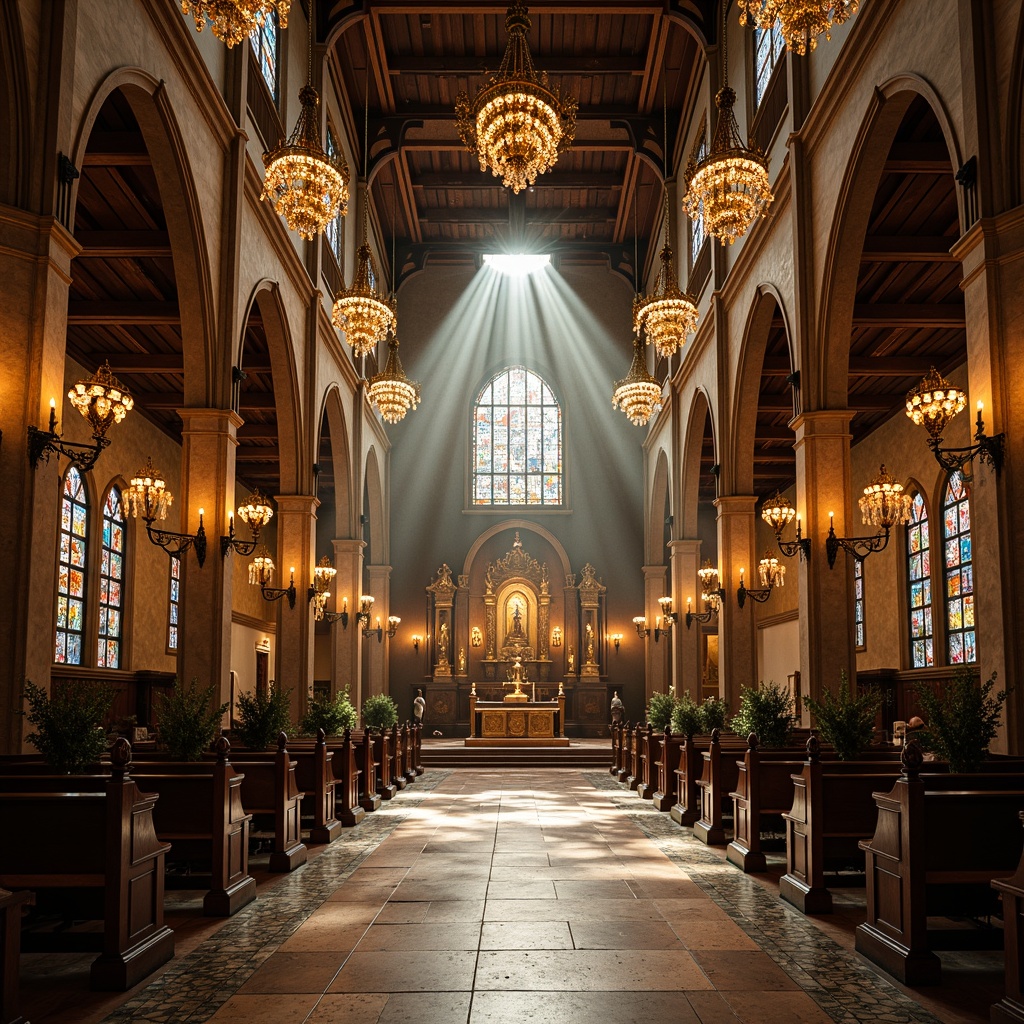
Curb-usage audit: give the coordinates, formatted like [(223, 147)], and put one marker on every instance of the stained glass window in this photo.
[(71, 569), (174, 605), (958, 573), (858, 604), (517, 441), (919, 583), (335, 233), (769, 45), (264, 45), (697, 232), (111, 608)]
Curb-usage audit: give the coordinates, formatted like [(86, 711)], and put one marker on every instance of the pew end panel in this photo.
[(12, 905)]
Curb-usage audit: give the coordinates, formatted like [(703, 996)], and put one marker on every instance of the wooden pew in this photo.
[(939, 842), (270, 788), (650, 749), (616, 731), (200, 814), (11, 904), (668, 759), (627, 754), (718, 778), (369, 767), (382, 755), (110, 859), (636, 754), (686, 809), (1010, 1009), (408, 768), (417, 748), (347, 782), (398, 777)]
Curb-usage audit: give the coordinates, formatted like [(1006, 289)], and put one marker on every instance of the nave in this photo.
[(486, 897)]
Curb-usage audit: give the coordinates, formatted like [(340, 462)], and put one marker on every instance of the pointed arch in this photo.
[(522, 525), (660, 499), (345, 508), (14, 107), (373, 490), (889, 103), (693, 445)]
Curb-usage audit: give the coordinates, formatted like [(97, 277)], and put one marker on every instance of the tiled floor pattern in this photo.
[(493, 901)]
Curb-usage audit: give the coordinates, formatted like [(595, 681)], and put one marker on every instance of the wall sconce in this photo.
[(416, 641), (319, 593), (556, 636), (666, 620), (932, 404), (884, 505), (616, 638), (772, 573), (712, 594), (778, 514), (148, 497), (640, 621), (102, 400), (256, 513), (363, 615), (476, 638), (261, 574), (393, 621)]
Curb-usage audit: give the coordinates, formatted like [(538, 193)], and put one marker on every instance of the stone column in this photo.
[(737, 647), (658, 655), (375, 652), (590, 591), (570, 637), (208, 443), (544, 628), (684, 556), (296, 546), (347, 649), (826, 595), (443, 590)]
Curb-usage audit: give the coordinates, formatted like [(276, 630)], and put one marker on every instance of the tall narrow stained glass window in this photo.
[(174, 605), (958, 572), (697, 233), (769, 46), (919, 582), (517, 441), (860, 636), (111, 609), (264, 45), (71, 566), (335, 229)]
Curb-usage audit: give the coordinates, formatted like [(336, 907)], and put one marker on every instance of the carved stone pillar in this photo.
[(348, 585), (544, 627), (443, 591), (737, 647), (570, 598), (462, 635), (590, 591)]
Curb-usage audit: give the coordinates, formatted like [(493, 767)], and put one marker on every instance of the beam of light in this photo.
[(517, 264)]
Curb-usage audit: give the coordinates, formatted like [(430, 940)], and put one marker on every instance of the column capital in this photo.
[(654, 572), (210, 421), (348, 546), (822, 423), (683, 547), (296, 504), (736, 504)]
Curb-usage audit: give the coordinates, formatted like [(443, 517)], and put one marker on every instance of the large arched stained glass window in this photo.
[(517, 441), (71, 563), (922, 652), (108, 648), (958, 573)]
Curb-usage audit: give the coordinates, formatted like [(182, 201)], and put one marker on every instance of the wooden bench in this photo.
[(616, 762), (636, 754), (11, 907), (627, 753), (110, 862), (417, 747), (718, 778), (408, 768), (347, 776), (270, 788), (1010, 1009), (398, 756), (200, 813), (382, 755), (649, 753), (939, 842), (668, 759), (369, 768)]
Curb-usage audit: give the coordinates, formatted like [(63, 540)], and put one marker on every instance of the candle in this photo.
[(689, 601), (344, 604), (741, 577)]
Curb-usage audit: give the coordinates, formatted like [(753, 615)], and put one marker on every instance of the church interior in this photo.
[(707, 386)]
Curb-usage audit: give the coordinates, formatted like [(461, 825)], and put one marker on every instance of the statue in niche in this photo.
[(572, 660), (462, 659), (516, 637), (590, 644), (442, 644), (444, 577)]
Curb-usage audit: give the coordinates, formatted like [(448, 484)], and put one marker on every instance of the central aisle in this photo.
[(494, 901)]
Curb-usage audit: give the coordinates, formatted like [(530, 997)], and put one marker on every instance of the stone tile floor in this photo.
[(493, 897)]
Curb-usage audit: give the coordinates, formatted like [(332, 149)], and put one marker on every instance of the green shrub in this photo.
[(846, 720), (768, 711), (189, 720), (261, 716), (960, 724), (659, 710), (686, 716), (333, 716), (69, 723), (712, 714), (379, 712)]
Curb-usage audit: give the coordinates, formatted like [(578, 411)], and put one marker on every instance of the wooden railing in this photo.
[(261, 106), (134, 691), (900, 701)]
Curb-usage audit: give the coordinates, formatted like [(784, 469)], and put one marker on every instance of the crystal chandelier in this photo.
[(884, 504), (390, 390), (934, 402), (801, 21), (234, 20), (771, 571), (730, 187), (148, 496), (306, 186), (102, 400), (323, 578), (261, 569), (638, 394), (517, 125)]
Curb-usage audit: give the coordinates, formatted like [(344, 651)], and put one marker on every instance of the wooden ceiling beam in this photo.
[(116, 149), (470, 7), (858, 403), (908, 314), (918, 158), (269, 453), (863, 366), (257, 432), (106, 312), (908, 249), (477, 180), (463, 215), (552, 64), (128, 244), (140, 362)]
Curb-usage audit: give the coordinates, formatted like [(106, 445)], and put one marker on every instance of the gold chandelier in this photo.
[(306, 186), (934, 402), (390, 390), (102, 400), (884, 503), (517, 125), (234, 20), (360, 311), (801, 21), (638, 394)]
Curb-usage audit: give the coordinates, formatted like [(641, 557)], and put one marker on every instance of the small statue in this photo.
[(462, 659), (616, 702), (442, 644), (590, 644), (571, 660)]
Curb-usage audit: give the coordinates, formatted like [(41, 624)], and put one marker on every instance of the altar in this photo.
[(523, 724)]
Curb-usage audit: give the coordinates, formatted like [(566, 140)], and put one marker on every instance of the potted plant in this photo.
[(659, 710), (961, 722), (262, 716), (333, 716), (68, 723), (712, 714), (380, 712), (766, 710), (189, 719), (686, 717), (846, 720)]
